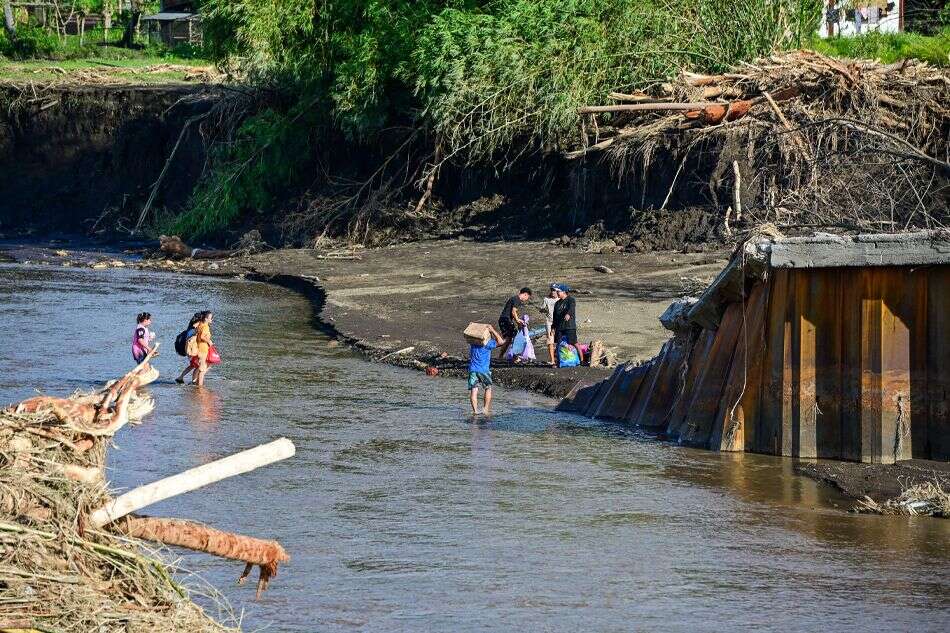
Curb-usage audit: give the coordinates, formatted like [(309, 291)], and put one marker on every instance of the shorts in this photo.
[(570, 335), (476, 378), (507, 329), (138, 358)]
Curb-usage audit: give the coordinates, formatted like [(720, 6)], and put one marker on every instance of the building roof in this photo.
[(168, 16)]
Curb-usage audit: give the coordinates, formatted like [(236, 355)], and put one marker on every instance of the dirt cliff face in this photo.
[(67, 155), (83, 159)]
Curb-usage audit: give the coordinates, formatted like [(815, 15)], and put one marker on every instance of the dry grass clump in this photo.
[(56, 575), (927, 499), (817, 141)]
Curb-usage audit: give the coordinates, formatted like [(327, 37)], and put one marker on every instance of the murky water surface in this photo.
[(401, 514)]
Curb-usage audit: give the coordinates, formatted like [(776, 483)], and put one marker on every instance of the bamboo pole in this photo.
[(192, 479)]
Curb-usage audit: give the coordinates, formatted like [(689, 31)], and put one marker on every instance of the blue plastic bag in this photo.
[(517, 345), (567, 355)]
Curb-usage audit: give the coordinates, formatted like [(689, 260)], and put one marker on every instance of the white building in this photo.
[(851, 17)]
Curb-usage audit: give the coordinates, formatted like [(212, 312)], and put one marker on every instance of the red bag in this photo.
[(213, 357)]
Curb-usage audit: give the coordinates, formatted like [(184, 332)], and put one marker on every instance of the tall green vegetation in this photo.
[(486, 80)]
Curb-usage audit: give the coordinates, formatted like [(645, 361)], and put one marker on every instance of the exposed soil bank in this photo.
[(878, 481), (83, 159), (67, 155)]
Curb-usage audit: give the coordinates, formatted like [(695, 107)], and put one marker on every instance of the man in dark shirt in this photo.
[(565, 317), (511, 319)]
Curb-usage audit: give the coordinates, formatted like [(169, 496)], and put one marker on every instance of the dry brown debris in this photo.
[(55, 572), (818, 141), (927, 499)]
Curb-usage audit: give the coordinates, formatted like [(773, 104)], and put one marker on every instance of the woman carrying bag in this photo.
[(207, 354)]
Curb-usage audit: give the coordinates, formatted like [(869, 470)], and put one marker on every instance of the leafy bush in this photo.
[(263, 161), (487, 79), (490, 78), (31, 42)]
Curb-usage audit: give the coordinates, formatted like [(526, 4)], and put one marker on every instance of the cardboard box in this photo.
[(477, 333)]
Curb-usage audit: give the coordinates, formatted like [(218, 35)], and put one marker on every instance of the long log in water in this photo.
[(192, 479), (202, 538)]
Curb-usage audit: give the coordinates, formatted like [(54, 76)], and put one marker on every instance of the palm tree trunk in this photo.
[(9, 24)]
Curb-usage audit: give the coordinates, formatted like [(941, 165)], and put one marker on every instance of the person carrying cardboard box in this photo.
[(479, 367)]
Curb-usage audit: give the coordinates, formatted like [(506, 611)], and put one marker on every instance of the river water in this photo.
[(402, 514)]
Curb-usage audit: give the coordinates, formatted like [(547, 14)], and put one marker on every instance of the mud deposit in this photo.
[(402, 514)]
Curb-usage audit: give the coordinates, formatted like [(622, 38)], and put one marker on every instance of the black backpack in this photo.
[(181, 341)]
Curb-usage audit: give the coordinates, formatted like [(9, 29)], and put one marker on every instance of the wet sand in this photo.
[(422, 295)]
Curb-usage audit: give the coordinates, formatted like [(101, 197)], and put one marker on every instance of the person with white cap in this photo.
[(548, 310)]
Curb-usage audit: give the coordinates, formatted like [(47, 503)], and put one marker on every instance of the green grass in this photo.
[(888, 47), (126, 70)]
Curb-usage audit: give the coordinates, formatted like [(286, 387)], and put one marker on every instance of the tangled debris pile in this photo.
[(56, 572), (924, 499), (795, 139)]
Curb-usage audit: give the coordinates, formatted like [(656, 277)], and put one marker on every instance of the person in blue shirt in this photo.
[(479, 369)]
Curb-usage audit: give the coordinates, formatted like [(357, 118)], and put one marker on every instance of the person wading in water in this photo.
[(203, 335), (192, 361), (142, 337), (510, 320), (479, 370)]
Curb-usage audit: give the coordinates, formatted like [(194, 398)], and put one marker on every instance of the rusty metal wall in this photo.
[(836, 363)]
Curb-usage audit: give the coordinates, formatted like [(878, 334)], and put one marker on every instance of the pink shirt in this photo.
[(139, 334)]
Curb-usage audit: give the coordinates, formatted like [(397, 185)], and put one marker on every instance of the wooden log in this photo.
[(173, 246), (192, 479), (637, 97), (202, 538)]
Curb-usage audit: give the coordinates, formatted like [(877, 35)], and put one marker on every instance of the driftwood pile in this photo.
[(798, 138), (923, 499), (70, 554)]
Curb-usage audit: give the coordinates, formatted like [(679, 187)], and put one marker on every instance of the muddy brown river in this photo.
[(403, 514)]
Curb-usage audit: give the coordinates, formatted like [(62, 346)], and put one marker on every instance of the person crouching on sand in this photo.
[(142, 337), (479, 370), (203, 334)]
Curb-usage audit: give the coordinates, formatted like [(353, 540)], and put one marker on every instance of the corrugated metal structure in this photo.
[(823, 347)]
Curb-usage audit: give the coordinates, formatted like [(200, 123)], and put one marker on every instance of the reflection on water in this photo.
[(401, 514)]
